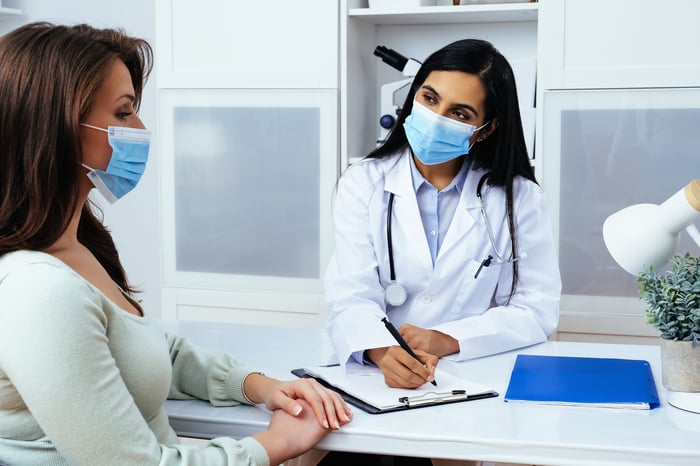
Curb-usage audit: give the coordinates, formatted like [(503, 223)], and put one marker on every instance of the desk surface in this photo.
[(487, 430)]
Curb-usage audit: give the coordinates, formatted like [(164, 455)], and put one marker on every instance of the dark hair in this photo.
[(49, 75), (503, 154)]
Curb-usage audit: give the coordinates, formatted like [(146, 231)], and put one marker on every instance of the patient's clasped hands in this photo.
[(303, 413)]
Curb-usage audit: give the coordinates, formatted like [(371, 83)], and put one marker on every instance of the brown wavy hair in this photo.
[(49, 75)]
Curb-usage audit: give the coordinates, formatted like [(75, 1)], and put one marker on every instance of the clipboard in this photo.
[(364, 388), (579, 381)]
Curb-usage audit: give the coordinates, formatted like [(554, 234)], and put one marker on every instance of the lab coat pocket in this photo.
[(477, 287)]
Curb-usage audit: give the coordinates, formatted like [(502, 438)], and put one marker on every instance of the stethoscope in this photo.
[(395, 293)]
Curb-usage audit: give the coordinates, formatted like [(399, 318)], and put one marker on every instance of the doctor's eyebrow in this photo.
[(464, 106)]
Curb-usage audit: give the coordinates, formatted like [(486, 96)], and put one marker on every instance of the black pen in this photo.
[(397, 336)]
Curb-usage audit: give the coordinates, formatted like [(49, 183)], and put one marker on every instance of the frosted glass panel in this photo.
[(247, 190), (612, 158)]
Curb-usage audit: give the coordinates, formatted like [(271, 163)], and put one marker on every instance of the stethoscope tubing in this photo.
[(499, 259), (392, 271), (390, 208)]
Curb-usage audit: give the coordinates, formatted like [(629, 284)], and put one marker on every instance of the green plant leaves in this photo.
[(673, 298)]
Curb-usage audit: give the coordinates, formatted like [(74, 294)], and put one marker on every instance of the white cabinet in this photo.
[(605, 150), (247, 44), (620, 91), (620, 43), (248, 158), (247, 181), (416, 33)]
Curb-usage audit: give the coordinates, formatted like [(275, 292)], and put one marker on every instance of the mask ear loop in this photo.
[(94, 127), (480, 139), (470, 149)]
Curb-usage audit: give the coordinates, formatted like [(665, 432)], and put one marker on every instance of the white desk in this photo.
[(487, 430)]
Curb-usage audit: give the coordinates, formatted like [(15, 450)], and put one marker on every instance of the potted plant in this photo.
[(673, 300)]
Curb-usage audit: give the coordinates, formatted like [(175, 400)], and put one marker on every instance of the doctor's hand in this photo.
[(297, 396), (430, 341), (400, 369)]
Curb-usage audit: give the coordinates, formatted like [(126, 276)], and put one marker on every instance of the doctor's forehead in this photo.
[(456, 87)]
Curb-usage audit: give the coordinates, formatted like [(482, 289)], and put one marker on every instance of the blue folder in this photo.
[(565, 380)]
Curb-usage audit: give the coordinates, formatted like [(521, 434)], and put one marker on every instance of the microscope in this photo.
[(387, 108)]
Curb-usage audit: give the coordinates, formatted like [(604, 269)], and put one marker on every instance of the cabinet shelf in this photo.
[(4, 11), (490, 13)]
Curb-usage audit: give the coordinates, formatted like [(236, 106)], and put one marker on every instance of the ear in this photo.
[(486, 131)]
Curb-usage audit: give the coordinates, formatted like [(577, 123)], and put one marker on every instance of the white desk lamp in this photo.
[(645, 235)]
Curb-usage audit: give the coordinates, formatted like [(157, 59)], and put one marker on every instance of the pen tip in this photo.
[(434, 383)]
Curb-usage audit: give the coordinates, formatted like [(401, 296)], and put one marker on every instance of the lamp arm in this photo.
[(693, 233)]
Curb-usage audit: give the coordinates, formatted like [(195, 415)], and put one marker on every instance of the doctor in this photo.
[(443, 229)]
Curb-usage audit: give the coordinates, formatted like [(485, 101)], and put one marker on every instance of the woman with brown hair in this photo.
[(83, 373)]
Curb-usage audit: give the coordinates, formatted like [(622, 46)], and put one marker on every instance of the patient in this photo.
[(84, 374)]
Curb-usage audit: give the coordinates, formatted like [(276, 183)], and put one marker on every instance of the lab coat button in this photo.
[(427, 300)]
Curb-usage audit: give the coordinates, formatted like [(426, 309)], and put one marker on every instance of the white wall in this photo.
[(134, 220)]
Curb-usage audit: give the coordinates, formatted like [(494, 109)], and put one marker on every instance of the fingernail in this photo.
[(430, 378), (297, 410), (325, 424), (336, 425)]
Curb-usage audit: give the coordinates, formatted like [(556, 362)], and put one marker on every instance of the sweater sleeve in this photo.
[(54, 350), (196, 374)]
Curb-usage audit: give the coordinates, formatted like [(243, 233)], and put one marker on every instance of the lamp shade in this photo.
[(646, 235)]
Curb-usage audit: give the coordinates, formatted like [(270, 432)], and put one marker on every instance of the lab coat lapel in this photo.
[(466, 214), (406, 214)]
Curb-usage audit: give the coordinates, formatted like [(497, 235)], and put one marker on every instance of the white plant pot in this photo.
[(680, 365)]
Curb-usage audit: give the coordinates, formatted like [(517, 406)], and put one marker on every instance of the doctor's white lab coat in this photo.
[(444, 297)]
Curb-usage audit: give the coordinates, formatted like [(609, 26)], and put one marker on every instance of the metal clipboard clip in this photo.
[(430, 398)]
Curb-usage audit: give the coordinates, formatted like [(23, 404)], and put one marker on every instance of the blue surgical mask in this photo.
[(437, 139), (129, 156)]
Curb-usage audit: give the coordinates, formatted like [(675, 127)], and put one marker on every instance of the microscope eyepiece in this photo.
[(391, 57)]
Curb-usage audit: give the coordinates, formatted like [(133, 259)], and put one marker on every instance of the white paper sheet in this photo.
[(367, 384)]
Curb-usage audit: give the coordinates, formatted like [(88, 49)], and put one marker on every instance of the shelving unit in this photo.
[(494, 13)]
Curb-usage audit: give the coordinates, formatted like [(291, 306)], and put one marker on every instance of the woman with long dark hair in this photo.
[(443, 229), (84, 374)]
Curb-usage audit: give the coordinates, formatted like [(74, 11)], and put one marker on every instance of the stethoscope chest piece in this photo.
[(395, 294)]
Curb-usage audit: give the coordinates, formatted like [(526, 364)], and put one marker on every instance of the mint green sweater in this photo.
[(83, 382)]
